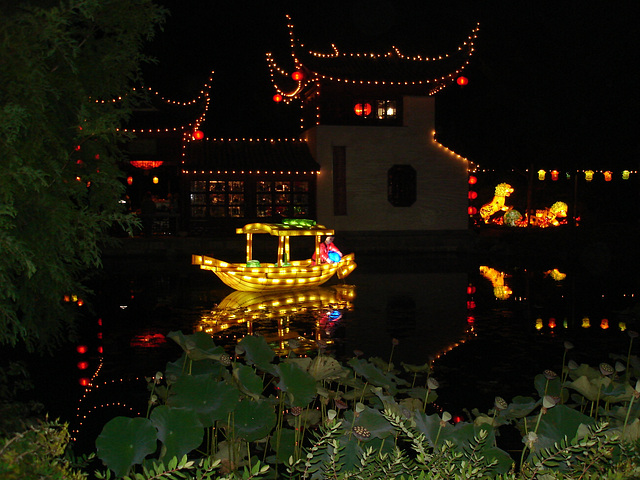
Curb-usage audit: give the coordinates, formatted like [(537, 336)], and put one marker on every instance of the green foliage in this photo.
[(63, 64), (38, 453), (279, 409)]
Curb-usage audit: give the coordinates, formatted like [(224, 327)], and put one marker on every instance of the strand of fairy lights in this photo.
[(395, 51), (287, 96)]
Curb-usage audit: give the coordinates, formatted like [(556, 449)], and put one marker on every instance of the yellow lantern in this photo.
[(541, 174), (586, 323), (155, 180), (588, 175), (625, 174)]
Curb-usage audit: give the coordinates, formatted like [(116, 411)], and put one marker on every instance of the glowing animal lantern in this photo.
[(512, 218), (500, 289), (548, 217), (502, 191), (588, 175), (556, 274)]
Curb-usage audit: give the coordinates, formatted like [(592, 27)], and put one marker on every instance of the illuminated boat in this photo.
[(284, 274)]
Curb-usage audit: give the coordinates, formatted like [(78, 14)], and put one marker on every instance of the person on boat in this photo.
[(326, 248)]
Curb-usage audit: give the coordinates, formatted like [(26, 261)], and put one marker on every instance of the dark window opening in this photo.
[(402, 185)]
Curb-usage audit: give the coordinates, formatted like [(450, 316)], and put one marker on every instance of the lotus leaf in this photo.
[(561, 421), (590, 388), (286, 446), (373, 374), (258, 352), (178, 429), (584, 370), (303, 362), (373, 421), (206, 366), (308, 418), (519, 407), (197, 346), (210, 399), (420, 393), (248, 381), (632, 431), (617, 392), (253, 420), (300, 385), (429, 425), (124, 442), (547, 387), (324, 367)]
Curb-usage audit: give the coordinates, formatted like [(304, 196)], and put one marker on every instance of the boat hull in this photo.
[(271, 277)]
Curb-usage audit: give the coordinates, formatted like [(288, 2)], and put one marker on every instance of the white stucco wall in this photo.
[(441, 200)]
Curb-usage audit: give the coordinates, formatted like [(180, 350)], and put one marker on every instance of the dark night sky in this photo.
[(551, 83)]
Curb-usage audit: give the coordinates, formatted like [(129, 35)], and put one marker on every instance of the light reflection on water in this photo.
[(487, 328)]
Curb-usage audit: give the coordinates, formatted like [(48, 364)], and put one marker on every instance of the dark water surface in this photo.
[(489, 326)]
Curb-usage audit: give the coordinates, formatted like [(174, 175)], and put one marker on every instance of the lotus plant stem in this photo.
[(629, 356), (249, 456), (435, 443), (426, 397), (626, 418), (597, 403)]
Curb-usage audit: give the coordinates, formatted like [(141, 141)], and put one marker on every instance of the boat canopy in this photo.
[(285, 230)]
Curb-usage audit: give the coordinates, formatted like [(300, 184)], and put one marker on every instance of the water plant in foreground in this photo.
[(257, 414)]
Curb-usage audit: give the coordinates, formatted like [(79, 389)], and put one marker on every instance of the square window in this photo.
[(217, 211), (236, 211), (283, 199), (236, 199), (386, 109), (264, 186), (265, 211), (300, 186), (198, 186), (217, 186), (198, 199), (198, 212), (264, 199), (283, 186), (236, 186), (217, 198)]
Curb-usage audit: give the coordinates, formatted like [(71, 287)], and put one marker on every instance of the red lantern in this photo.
[(297, 75), (83, 365), (81, 349), (554, 175), (462, 81), (471, 290), (198, 135), (277, 98), (362, 109), (129, 180), (472, 180), (84, 382), (473, 195), (472, 210)]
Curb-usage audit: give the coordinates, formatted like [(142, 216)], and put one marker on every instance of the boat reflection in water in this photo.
[(297, 319)]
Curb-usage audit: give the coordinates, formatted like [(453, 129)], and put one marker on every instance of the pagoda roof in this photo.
[(390, 68), (249, 155)]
